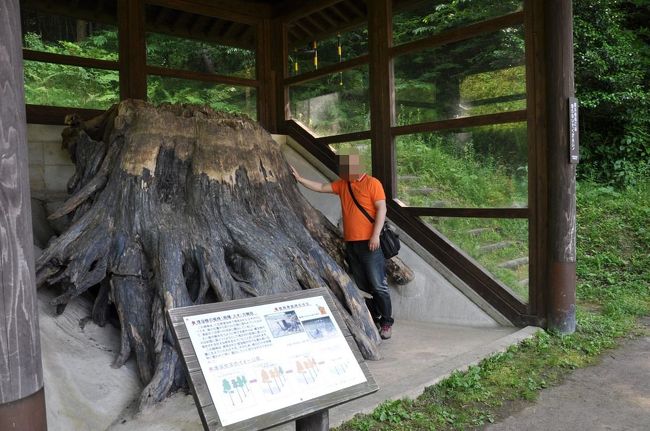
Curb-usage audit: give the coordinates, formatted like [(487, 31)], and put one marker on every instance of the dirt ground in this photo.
[(613, 395)]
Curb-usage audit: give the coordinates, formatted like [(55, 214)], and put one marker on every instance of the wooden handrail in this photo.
[(69, 60), (327, 70), (201, 76), (461, 123), (459, 33)]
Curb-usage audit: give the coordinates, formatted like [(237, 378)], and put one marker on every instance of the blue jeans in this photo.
[(369, 272)]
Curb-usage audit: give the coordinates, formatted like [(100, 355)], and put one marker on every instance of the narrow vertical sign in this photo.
[(574, 137)]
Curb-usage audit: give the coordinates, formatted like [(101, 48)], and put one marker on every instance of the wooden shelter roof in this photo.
[(227, 22)]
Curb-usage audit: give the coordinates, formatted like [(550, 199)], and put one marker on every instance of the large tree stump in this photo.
[(175, 206)]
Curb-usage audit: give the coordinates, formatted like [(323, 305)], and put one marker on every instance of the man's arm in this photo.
[(380, 217), (312, 185)]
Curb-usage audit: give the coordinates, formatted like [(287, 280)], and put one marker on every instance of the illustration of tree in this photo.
[(309, 367), (301, 370), (267, 380), (274, 373), (243, 383), (235, 384), (282, 378), (227, 389)]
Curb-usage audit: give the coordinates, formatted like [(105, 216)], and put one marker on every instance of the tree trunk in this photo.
[(176, 206)]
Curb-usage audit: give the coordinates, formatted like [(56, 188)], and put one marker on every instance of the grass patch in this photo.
[(613, 291)]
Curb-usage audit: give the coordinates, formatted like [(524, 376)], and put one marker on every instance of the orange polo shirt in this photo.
[(367, 190)]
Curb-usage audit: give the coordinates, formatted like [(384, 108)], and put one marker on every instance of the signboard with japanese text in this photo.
[(574, 129), (268, 360)]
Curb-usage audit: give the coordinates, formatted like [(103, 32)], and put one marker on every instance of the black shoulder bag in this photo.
[(388, 238)]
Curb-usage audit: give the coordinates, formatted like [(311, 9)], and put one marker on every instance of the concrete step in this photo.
[(479, 230), (496, 246), (424, 191), (407, 177), (514, 263), (523, 283)]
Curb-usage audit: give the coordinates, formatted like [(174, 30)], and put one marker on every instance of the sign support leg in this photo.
[(318, 421)]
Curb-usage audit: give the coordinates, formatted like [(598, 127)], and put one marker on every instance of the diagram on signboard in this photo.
[(238, 385), (282, 324), (274, 379), (319, 328)]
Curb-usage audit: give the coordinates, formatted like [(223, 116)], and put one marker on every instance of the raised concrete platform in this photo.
[(422, 354)]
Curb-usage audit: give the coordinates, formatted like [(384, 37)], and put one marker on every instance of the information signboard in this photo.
[(574, 131), (259, 362)]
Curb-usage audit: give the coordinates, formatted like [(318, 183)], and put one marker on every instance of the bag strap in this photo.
[(362, 209)]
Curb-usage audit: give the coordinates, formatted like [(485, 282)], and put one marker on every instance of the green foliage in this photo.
[(72, 86), (61, 85), (187, 54), (435, 16), (612, 68), (613, 291), (445, 169)]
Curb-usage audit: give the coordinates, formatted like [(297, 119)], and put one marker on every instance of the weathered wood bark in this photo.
[(175, 206), (22, 403)]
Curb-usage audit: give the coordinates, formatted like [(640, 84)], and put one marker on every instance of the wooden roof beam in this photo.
[(215, 27), (315, 24), (351, 6), (308, 33), (325, 17), (199, 24), (350, 25), (181, 22), (99, 7), (244, 12), (296, 9), (338, 13), (65, 10), (162, 16)]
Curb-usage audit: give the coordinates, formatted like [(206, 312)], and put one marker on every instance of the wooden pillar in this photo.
[(22, 402), (133, 52), (558, 52), (266, 93), (280, 70), (382, 94)]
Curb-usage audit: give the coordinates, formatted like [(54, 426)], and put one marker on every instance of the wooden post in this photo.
[(133, 52), (279, 47), (558, 50), (318, 421), (382, 94), (266, 91), (22, 401)]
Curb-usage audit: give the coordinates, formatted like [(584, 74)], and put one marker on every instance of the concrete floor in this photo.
[(84, 393), (421, 354)]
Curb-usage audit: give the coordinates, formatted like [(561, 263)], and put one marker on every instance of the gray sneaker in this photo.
[(386, 331)]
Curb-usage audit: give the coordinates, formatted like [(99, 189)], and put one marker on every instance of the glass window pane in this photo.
[(71, 86), (477, 76), (353, 44), (434, 16), (63, 35), (221, 97), (478, 167), (199, 56), (498, 245), (334, 104), (363, 148)]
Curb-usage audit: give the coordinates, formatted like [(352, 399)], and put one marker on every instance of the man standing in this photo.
[(361, 237)]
